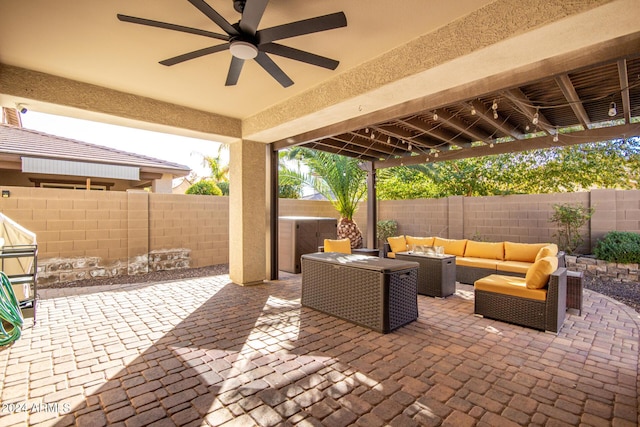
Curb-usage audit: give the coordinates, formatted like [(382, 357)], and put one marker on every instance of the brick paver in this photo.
[(207, 352)]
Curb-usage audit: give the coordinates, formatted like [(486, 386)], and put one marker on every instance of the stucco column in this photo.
[(247, 212)]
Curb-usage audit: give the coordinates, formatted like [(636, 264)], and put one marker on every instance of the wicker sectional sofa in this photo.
[(475, 260)]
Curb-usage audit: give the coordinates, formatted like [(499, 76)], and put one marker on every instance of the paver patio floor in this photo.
[(208, 352)]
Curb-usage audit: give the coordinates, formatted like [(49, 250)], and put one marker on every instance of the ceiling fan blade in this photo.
[(273, 69), (252, 14), (300, 55), (306, 26), (234, 71), (195, 54), (174, 27), (215, 17)]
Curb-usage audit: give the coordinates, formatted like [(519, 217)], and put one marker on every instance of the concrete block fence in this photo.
[(102, 233)]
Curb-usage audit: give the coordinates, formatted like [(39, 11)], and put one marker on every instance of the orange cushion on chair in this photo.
[(397, 244), (451, 246), (538, 274), (424, 241), (342, 246), (522, 251), (550, 250)]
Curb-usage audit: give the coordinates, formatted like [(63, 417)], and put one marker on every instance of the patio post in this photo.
[(247, 212), (372, 206)]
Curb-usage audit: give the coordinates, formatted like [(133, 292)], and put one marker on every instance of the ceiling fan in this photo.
[(245, 41)]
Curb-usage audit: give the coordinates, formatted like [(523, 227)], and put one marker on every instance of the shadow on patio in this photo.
[(205, 351)]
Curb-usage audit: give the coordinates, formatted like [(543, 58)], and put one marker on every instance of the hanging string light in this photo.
[(494, 107)]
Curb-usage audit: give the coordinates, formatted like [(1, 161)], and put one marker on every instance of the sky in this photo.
[(173, 148)]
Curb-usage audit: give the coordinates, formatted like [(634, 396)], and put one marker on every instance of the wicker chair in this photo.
[(546, 315)]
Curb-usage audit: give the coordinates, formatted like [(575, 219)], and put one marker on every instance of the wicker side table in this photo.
[(436, 275), (574, 290)]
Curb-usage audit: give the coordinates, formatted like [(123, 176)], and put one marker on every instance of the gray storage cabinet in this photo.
[(380, 294), (298, 235)]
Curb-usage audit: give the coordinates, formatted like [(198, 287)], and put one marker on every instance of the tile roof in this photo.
[(31, 143)]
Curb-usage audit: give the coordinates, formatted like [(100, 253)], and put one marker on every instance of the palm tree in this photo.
[(338, 178)]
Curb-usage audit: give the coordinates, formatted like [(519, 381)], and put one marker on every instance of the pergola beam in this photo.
[(524, 104), (503, 127), (578, 137), (462, 127), (569, 92), (624, 88), (438, 134)]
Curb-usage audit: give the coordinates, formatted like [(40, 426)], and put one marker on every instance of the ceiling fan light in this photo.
[(243, 50), (612, 110)]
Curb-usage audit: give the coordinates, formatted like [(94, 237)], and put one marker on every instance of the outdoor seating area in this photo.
[(208, 352)]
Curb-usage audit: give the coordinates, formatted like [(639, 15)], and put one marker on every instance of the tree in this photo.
[(569, 218), (610, 164), (205, 187), (340, 180)]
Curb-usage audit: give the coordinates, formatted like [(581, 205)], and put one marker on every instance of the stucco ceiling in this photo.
[(391, 53)]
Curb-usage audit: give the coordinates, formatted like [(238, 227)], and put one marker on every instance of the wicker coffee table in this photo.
[(436, 275)]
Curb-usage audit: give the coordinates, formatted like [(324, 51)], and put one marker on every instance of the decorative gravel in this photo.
[(625, 292)]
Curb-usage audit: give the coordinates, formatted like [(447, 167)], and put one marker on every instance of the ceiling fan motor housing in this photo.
[(238, 5)]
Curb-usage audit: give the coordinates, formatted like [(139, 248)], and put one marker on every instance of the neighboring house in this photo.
[(30, 158), (181, 185)]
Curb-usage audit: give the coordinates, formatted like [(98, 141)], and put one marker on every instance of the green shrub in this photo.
[(204, 187), (387, 228), (619, 246), (224, 187), (568, 219)]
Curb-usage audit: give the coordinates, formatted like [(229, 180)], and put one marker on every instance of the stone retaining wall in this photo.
[(55, 270), (611, 270)]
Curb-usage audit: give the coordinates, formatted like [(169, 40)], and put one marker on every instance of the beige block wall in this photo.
[(114, 226), (200, 223), (71, 223), (419, 217)]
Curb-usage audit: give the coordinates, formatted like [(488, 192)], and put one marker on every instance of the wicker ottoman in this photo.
[(380, 294)]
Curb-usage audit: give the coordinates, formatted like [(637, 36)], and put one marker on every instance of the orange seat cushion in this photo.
[(509, 285), (477, 262), (519, 267)]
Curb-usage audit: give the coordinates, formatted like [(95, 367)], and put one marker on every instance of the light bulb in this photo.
[(491, 145), (612, 109), (373, 135), (526, 128), (410, 147), (473, 111), (366, 130), (494, 106), (495, 115), (388, 140), (535, 118), (435, 116), (555, 137), (435, 155)]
